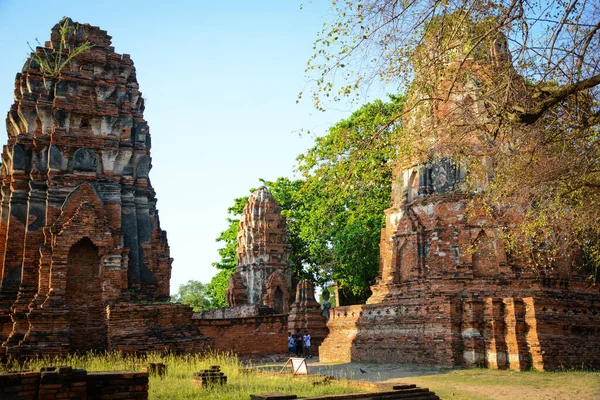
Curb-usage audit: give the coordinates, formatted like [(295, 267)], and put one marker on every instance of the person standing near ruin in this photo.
[(306, 339), (299, 341), (291, 343)]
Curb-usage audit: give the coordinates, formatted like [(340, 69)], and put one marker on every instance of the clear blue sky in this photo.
[(220, 81)]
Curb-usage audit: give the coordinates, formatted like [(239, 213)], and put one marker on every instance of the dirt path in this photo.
[(470, 384)]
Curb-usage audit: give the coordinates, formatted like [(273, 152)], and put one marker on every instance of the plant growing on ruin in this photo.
[(53, 61)]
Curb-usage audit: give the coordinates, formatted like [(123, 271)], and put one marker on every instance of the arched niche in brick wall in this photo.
[(402, 264), (87, 321), (412, 188), (485, 256), (277, 293)]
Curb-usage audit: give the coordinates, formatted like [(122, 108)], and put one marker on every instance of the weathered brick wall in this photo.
[(137, 328), (414, 332), (53, 383), (247, 336), (542, 332), (568, 331)]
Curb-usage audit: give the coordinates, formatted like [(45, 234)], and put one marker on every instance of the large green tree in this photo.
[(193, 293), (346, 187)]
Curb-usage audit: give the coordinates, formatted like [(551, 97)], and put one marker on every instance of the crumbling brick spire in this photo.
[(79, 228), (263, 275)]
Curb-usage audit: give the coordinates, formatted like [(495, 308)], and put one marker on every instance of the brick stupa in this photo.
[(80, 240)]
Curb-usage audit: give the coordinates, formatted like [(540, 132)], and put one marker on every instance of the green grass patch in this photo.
[(178, 382), (482, 384)]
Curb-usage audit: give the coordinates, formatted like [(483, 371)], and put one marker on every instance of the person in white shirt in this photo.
[(306, 339), (291, 343)]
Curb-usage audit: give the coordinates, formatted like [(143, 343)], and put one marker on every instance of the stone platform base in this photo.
[(503, 333)]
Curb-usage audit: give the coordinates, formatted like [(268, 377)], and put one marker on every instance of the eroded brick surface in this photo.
[(253, 335), (79, 226), (305, 313)]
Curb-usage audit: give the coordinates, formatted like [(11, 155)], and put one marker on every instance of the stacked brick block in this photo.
[(66, 383), (77, 206), (209, 377)]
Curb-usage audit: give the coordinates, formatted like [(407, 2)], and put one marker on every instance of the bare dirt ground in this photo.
[(470, 384)]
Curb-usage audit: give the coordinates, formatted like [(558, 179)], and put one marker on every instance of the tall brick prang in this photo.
[(263, 275), (79, 227)]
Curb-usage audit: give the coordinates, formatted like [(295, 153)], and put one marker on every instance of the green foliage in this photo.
[(228, 255), (52, 62), (335, 212), (228, 252), (194, 294), (346, 188), (217, 287)]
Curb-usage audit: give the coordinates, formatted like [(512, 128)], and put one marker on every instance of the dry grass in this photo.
[(177, 384)]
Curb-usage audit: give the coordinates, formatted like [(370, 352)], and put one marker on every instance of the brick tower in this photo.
[(447, 292), (80, 237)]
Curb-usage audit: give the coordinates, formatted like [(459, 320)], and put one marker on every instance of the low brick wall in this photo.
[(24, 385), (66, 383), (494, 332), (247, 336), (135, 328), (243, 311), (414, 333)]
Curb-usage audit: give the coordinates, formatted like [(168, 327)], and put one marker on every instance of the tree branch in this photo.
[(556, 96)]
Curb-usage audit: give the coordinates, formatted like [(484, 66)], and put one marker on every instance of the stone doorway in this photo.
[(87, 322)]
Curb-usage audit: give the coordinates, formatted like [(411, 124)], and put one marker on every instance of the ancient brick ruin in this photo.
[(261, 311), (80, 239), (447, 294), (263, 275)]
